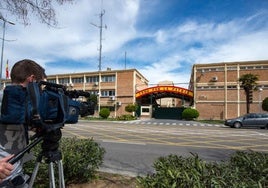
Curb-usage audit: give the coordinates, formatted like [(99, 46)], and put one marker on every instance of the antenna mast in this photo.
[(102, 12), (101, 15), (100, 27)]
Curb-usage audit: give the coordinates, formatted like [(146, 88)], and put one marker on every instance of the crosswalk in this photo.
[(169, 123)]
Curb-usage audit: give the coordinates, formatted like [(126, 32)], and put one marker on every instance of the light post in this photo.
[(260, 90), (3, 43)]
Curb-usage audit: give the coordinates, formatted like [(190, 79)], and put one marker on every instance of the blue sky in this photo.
[(162, 39)]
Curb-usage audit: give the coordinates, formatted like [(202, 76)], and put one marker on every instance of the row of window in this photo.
[(232, 68), (88, 79), (104, 93), (222, 87)]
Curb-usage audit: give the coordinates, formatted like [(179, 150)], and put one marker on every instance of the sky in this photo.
[(162, 39)]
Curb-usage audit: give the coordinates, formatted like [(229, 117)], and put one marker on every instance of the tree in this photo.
[(249, 83), (265, 104), (43, 9)]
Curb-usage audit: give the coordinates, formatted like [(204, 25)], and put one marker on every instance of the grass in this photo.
[(211, 121)]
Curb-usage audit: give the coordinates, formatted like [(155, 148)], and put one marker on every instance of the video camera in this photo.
[(44, 105)]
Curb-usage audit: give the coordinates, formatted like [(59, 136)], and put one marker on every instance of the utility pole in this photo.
[(100, 53)]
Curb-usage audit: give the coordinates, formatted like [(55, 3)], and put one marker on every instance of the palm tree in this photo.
[(248, 82)]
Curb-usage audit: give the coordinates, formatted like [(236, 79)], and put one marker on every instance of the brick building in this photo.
[(117, 88), (217, 91)]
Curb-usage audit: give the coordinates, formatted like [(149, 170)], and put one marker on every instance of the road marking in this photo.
[(168, 135)]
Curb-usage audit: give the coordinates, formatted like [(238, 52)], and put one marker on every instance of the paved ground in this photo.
[(132, 146)]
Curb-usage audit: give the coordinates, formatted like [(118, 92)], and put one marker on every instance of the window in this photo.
[(231, 68), (93, 92), (110, 78), (52, 80), (92, 79), (64, 80), (251, 116), (107, 93), (220, 69), (78, 80), (231, 87), (247, 68), (264, 115)]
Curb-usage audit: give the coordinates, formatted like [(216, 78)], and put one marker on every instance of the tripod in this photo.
[(51, 158), (51, 154)]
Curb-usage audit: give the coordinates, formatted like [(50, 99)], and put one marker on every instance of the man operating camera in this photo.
[(13, 129)]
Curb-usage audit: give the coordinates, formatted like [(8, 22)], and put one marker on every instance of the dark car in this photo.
[(259, 120)]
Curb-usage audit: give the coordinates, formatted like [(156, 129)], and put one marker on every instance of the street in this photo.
[(132, 146)]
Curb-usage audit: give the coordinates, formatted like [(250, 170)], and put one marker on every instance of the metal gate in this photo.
[(168, 113)]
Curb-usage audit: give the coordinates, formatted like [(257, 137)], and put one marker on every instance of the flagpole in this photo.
[(7, 71)]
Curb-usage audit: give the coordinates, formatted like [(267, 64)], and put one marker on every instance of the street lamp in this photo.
[(3, 42)]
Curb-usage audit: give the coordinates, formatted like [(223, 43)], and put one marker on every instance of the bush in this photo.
[(245, 169), (104, 113), (190, 114), (131, 108), (81, 159), (126, 117)]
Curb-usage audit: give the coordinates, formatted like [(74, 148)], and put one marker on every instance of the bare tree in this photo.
[(43, 9)]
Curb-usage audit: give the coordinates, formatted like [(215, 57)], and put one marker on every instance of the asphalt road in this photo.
[(133, 146)]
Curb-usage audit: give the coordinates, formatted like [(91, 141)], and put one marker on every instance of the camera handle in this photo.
[(19, 155)]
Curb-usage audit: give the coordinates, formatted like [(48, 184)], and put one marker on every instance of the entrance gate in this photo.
[(168, 113), (148, 97)]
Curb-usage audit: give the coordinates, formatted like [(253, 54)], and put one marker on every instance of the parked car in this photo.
[(259, 120)]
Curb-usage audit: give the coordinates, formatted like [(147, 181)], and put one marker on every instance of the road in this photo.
[(133, 146)]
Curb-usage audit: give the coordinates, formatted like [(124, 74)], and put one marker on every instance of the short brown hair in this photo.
[(25, 68)]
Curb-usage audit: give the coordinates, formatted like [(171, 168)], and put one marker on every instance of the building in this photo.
[(115, 88), (217, 91)]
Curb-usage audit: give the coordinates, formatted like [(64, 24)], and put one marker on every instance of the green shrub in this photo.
[(126, 117), (265, 104), (190, 114), (104, 113), (244, 169), (81, 159), (131, 107)]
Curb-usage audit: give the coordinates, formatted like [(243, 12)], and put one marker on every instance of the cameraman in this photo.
[(13, 126), (13, 134)]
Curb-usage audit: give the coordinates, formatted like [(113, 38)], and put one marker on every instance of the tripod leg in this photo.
[(61, 174), (34, 174), (51, 176)]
